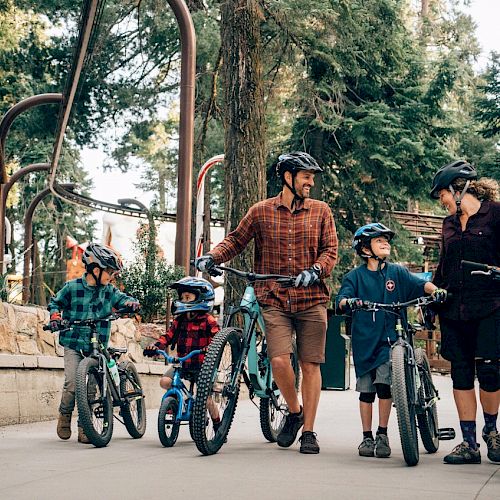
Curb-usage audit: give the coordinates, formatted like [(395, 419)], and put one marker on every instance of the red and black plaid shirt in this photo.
[(191, 334), (286, 243)]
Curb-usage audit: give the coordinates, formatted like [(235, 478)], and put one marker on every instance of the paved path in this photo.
[(34, 464)]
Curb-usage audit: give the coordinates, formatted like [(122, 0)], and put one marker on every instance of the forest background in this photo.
[(381, 92)]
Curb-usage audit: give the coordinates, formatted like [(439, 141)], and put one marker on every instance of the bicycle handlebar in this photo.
[(173, 359), (252, 277), (479, 268), (396, 306)]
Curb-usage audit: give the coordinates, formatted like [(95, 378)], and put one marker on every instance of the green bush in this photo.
[(147, 278)]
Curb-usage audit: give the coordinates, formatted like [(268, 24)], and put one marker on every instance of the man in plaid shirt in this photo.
[(91, 296), (294, 235)]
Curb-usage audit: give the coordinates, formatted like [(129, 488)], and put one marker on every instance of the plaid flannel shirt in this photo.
[(78, 300), (286, 243), (191, 334)]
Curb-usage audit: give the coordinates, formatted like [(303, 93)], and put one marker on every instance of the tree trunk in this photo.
[(244, 125)]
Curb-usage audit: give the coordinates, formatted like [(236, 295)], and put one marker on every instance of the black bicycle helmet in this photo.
[(365, 234), (459, 169), (96, 255), (203, 291), (293, 162)]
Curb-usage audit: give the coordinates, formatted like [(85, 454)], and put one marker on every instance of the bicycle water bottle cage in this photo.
[(446, 433)]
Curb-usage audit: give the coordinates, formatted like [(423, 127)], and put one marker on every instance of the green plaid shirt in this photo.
[(78, 300)]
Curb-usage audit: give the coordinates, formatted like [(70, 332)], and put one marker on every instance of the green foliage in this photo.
[(488, 105), (147, 278)]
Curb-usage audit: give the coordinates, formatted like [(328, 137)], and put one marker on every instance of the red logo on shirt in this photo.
[(390, 286)]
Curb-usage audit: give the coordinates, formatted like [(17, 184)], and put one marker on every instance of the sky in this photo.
[(109, 186)]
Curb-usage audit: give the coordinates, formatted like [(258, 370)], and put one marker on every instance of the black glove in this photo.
[(150, 351), (308, 276), (353, 304), (132, 304), (439, 295), (55, 321), (206, 264)]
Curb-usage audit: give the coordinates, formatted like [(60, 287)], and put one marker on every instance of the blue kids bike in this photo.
[(238, 351), (177, 403)]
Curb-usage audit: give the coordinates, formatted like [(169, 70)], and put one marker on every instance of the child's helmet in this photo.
[(459, 169), (365, 234), (96, 255), (203, 291)]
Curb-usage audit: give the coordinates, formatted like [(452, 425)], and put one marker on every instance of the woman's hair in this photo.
[(484, 189)]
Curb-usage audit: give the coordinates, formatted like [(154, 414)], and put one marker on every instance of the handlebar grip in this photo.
[(475, 266)]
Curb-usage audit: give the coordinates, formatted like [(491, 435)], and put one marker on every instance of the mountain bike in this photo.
[(241, 340), (413, 392), (97, 392), (177, 403)]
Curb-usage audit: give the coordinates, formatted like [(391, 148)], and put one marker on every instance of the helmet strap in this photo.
[(97, 278), (296, 197), (458, 199)]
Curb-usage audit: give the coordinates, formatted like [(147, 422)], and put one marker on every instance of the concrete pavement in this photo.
[(35, 464)]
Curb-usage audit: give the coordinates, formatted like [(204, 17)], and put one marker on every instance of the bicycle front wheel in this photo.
[(168, 426), (95, 408), (401, 387), (134, 409), (272, 413), (217, 392), (428, 420)]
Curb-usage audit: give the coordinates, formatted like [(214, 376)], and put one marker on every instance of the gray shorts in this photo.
[(379, 375)]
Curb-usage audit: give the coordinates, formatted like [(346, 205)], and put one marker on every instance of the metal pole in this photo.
[(5, 124), (186, 133), (28, 237)]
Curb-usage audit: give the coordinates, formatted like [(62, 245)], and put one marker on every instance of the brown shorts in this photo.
[(309, 327)]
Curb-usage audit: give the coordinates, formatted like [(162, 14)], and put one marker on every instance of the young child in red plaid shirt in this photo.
[(193, 326)]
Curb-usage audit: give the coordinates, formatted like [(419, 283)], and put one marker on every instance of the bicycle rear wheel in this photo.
[(217, 392), (95, 408), (428, 420), (134, 410), (272, 415), (168, 426), (402, 379)]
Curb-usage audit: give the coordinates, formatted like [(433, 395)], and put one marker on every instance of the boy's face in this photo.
[(187, 297), (381, 247), (107, 276)]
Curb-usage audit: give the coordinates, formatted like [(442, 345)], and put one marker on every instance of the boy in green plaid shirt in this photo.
[(88, 297)]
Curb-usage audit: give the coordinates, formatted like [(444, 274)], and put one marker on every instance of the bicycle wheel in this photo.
[(401, 385), (95, 408), (134, 410), (272, 415), (168, 426), (217, 392), (428, 420)]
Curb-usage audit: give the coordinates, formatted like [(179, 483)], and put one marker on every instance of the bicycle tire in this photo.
[(405, 411), (95, 409), (214, 384), (272, 417), (168, 426), (134, 410), (427, 421), (191, 425)]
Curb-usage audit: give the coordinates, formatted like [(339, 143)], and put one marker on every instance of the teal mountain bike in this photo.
[(238, 351)]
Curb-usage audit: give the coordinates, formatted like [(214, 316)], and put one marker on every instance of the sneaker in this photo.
[(82, 437), (493, 443), (293, 422), (367, 447), (64, 426), (308, 443), (382, 448), (463, 454)]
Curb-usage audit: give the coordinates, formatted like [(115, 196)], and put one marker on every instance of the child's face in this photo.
[(107, 276), (381, 247), (187, 297)]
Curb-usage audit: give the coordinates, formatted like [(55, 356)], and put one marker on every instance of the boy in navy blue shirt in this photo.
[(376, 281)]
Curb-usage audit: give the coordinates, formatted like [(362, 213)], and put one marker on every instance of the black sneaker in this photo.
[(493, 443), (463, 454), (293, 423), (308, 443)]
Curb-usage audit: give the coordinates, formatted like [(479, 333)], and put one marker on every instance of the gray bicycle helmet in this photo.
[(293, 162), (96, 255), (444, 177)]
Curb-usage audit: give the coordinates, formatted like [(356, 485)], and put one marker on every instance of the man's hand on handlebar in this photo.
[(206, 264)]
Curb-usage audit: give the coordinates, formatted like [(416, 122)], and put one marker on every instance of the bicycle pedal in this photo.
[(446, 433)]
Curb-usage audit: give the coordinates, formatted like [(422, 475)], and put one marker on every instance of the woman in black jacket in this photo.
[(470, 320)]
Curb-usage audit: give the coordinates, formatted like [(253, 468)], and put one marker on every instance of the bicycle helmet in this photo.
[(364, 235), (203, 291), (293, 162), (96, 255), (444, 177)]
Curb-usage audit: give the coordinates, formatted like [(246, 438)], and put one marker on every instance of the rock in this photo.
[(26, 345), (7, 341)]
